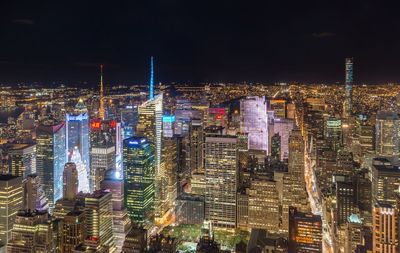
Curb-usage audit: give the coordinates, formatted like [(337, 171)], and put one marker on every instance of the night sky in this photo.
[(198, 41)]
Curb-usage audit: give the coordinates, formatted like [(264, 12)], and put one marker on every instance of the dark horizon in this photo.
[(207, 41)]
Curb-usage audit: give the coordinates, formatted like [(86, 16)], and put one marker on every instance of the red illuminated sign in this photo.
[(95, 124), (218, 116), (113, 123), (216, 110)]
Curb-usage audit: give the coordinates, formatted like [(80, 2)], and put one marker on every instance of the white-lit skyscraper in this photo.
[(254, 122), (78, 140)]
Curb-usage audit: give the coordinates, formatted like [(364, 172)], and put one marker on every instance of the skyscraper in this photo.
[(70, 181), (32, 232), (121, 222), (51, 157), (345, 199), (333, 133), (139, 177), (221, 173), (78, 141), (98, 208), (73, 231), (167, 179), (294, 186), (254, 122), (105, 148), (150, 126), (385, 229), (387, 134), (385, 181), (349, 85), (264, 204), (102, 156), (11, 200)]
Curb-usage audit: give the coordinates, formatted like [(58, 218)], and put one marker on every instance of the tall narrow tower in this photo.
[(349, 85), (101, 109), (151, 95)]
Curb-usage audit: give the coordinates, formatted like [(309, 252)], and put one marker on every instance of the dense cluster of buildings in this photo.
[(299, 168)]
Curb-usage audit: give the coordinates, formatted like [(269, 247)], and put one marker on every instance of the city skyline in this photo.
[(269, 141)]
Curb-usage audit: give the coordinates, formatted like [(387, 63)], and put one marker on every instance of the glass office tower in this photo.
[(139, 174)]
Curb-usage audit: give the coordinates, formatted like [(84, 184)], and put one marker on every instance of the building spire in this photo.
[(101, 108), (151, 93)]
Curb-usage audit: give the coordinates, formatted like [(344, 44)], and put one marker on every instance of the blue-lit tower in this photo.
[(349, 85), (151, 96), (78, 137)]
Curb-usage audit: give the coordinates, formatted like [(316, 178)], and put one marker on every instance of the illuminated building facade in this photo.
[(98, 208), (294, 186), (22, 159), (221, 173), (169, 177), (121, 222), (345, 199), (150, 126), (73, 230), (264, 205), (385, 181), (254, 122), (78, 140), (305, 232), (83, 180), (102, 158), (385, 229), (387, 134), (139, 177), (11, 201), (242, 208), (32, 232), (51, 158), (333, 133), (105, 148)]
